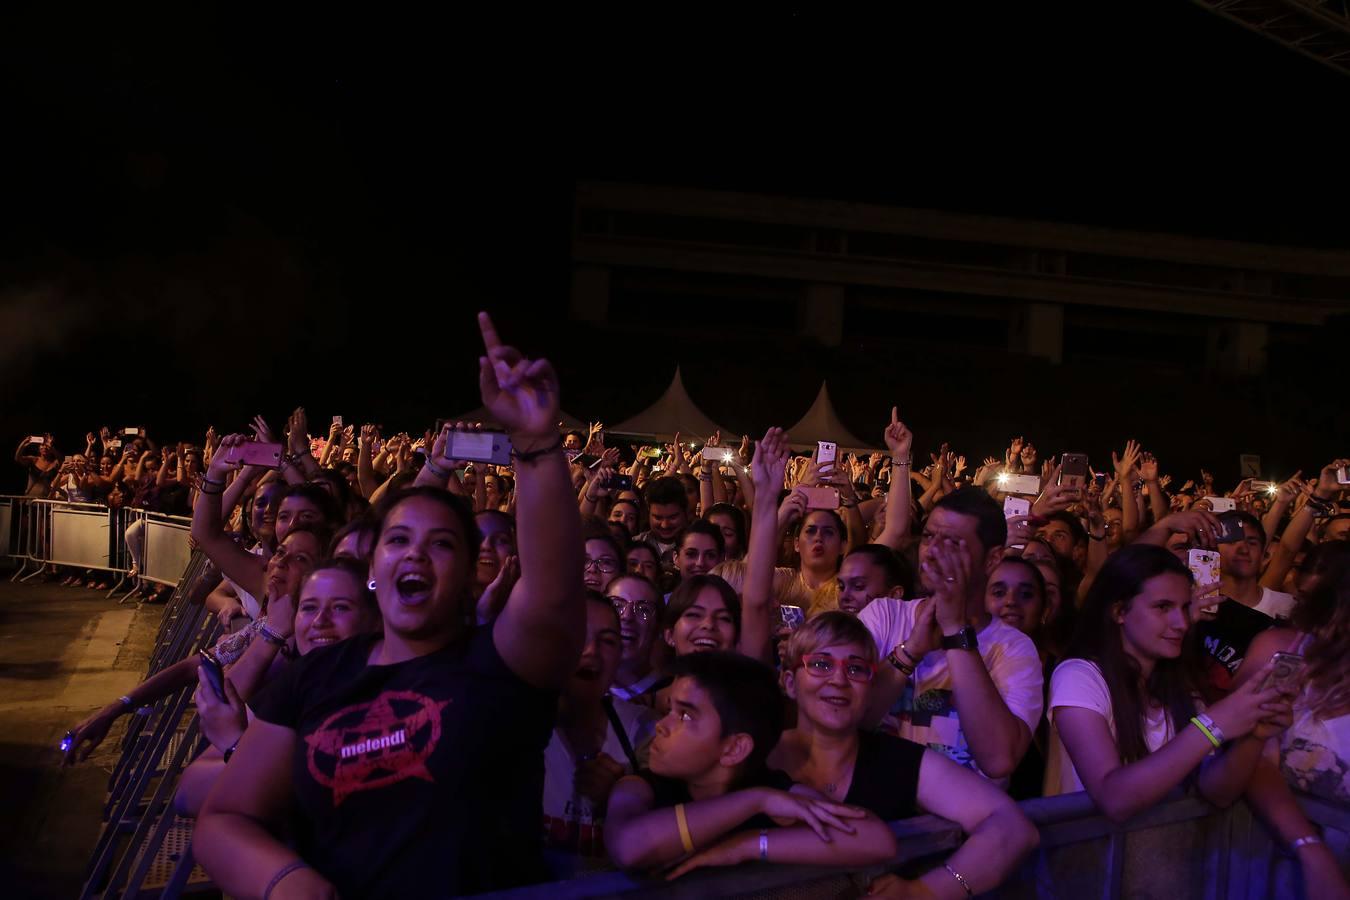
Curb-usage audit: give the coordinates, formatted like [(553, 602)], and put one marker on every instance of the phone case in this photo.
[(1285, 669), (821, 497), (792, 616), (1016, 506), (1222, 504), (1204, 565), (255, 453), (826, 452)]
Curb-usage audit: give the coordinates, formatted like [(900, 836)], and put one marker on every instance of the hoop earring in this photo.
[(371, 584)]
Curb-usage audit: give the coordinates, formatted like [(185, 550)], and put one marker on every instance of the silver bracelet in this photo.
[(1305, 841), (764, 844), (960, 879), (435, 469)]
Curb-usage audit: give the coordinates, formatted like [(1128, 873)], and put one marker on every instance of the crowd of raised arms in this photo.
[(443, 678)]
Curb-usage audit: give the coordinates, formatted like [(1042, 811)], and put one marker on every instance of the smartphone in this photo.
[(650, 453), (133, 431), (214, 674), (1100, 480), (67, 741), (36, 439), (791, 616), (480, 446), (821, 497), (1021, 484), (255, 453), (114, 443), (337, 420), (1266, 487), (719, 454), (1221, 504), (1204, 566), (1230, 530), (622, 483), (1073, 470), (1343, 475), (1016, 506), (1284, 672), (826, 451), (588, 460)]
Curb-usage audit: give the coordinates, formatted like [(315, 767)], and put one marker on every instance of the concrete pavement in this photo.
[(64, 652)]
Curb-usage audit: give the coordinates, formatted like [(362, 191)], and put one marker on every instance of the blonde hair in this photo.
[(829, 629), (787, 590)]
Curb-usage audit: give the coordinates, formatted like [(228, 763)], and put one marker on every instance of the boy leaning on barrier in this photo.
[(708, 798)]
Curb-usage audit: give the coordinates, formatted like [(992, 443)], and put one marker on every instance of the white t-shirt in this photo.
[(925, 712), (573, 832), (1079, 684), (252, 608), (1276, 604)]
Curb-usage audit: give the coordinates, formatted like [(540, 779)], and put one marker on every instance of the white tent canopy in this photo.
[(673, 412), (822, 424)]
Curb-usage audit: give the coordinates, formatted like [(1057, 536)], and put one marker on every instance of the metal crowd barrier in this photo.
[(160, 741), (37, 533), (1183, 848)]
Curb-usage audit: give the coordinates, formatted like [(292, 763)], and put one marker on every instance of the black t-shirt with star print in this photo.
[(419, 779)]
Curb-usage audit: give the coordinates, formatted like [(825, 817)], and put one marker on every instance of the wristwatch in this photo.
[(963, 640)]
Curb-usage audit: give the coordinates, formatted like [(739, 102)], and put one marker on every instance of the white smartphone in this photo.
[(1222, 504), (1343, 475), (36, 439), (1029, 485), (1016, 506), (719, 454), (826, 451), (337, 420), (133, 431)]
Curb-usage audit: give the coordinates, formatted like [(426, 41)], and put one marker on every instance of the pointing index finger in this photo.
[(489, 332)]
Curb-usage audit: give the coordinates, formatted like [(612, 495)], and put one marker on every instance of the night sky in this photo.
[(209, 213)]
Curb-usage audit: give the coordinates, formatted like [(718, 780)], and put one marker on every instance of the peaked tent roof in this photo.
[(673, 412), (822, 424), (480, 414)]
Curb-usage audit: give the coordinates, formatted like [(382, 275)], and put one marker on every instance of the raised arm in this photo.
[(900, 441), (541, 631), (1125, 465), (1284, 498), (244, 568), (998, 738), (766, 470)]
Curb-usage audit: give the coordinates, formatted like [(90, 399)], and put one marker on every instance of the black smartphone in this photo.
[(214, 673), (622, 483)]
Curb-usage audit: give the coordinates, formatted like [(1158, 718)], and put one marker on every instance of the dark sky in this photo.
[(213, 211)]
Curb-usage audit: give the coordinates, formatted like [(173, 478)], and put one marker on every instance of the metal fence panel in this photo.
[(79, 537), (167, 549)]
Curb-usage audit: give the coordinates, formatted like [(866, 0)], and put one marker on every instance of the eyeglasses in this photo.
[(644, 611), (604, 564), (822, 665)]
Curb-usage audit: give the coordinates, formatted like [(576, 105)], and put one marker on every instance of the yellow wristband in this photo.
[(684, 828), (1206, 732)]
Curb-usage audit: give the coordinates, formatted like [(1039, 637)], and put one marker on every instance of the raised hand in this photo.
[(1028, 457), (297, 431), (1148, 467), (792, 509), (899, 439), (946, 573), (1328, 485), (1125, 463), (261, 432), (769, 463), (520, 393)]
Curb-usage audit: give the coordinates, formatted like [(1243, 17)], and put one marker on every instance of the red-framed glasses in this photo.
[(822, 665)]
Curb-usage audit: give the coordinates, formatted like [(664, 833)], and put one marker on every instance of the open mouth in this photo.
[(706, 643), (587, 672), (413, 589), (322, 640), (836, 702), (628, 637)]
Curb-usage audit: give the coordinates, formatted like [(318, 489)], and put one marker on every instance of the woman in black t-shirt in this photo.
[(414, 760), (831, 664)]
